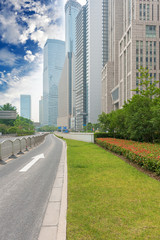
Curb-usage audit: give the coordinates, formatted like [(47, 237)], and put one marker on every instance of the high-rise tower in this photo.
[(80, 81), (25, 106), (94, 58), (54, 56), (72, 8), (67, 118)]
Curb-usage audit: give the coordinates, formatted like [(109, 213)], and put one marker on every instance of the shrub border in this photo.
[(145, 162)]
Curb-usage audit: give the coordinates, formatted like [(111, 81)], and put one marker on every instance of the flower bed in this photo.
[(146, 155)]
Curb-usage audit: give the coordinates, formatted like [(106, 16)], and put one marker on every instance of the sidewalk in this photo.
[(54, 222)]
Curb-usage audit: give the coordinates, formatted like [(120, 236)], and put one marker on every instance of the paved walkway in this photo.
[(54, 222)]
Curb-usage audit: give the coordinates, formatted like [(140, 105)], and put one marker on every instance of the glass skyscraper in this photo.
[(54, 56), (25, 106), (72, 8)]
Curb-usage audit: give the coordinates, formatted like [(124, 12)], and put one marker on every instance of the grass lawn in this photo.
[(109, 199)]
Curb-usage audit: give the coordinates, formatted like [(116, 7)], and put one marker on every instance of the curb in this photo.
[(54, 222)]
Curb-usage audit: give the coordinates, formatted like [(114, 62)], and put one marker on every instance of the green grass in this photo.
[(109, 199)]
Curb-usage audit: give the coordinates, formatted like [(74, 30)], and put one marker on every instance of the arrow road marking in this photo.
[(29, 165)]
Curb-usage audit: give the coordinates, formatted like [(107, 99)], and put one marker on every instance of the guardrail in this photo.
[(11, 148)]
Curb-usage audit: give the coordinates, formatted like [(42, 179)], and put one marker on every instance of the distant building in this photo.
[(80, 70), (25, 106), (54, 56), (41, 111)]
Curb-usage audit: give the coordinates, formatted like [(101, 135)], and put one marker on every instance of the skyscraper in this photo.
[(25, 106), (110, 92), (80, 78), (105, 18), (41, 111), (94, 58), (134, 42), (54, 56), (72, 8)]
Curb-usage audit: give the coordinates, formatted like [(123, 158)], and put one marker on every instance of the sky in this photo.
[(25, 25)]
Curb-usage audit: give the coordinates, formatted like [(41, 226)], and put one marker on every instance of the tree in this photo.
[(138, 118), (147, 87), (7, 107)]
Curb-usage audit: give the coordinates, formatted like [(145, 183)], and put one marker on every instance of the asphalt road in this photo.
[(25, 190)]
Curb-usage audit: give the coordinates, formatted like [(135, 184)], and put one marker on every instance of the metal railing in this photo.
[(11, 148)]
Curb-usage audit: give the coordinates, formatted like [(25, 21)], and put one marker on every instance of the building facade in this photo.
[(80, 78), (104, 32), (110, 71), (65, 98), (25, 106), (54, 56), (72, 8), (93, 59), (41, 111), (138, 46)]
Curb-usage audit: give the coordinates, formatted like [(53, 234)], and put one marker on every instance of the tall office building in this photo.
[(137, 46), (104, 32), (41, 111), (25, 106), (110, 72), (54, 56), (72, 8), (94, 59), (80, 78), (65, 98)]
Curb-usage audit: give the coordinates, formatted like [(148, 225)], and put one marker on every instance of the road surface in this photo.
[(25, 188)]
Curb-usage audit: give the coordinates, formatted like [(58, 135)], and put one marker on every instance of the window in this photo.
[(150, 31), (146, 47), (144, 11), (148, 11), (140, 12)]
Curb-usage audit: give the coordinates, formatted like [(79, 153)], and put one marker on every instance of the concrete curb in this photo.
[(54, 222)]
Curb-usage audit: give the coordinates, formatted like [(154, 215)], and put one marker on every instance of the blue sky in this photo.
[(25, 26)]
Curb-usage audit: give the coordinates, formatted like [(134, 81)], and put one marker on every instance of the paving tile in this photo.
[(56, 195), (58, 183), (52, 214), (48, 233)]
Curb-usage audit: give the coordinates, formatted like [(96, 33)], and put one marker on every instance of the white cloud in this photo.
[(39, 25), (30, 84), (29, 57), (7, 58)]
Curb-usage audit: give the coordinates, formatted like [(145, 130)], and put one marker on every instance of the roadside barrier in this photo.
[(11, 148)]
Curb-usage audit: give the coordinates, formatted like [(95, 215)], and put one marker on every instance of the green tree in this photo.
[(7, 107), (47, 128), (147, 86), (138, 118)]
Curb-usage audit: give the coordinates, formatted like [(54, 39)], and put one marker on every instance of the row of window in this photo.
[(144, 12), (150, 58)]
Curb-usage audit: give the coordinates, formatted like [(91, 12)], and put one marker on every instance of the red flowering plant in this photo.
[(146, 155)]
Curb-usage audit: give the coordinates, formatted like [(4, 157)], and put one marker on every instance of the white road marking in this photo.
[(29, 165)]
